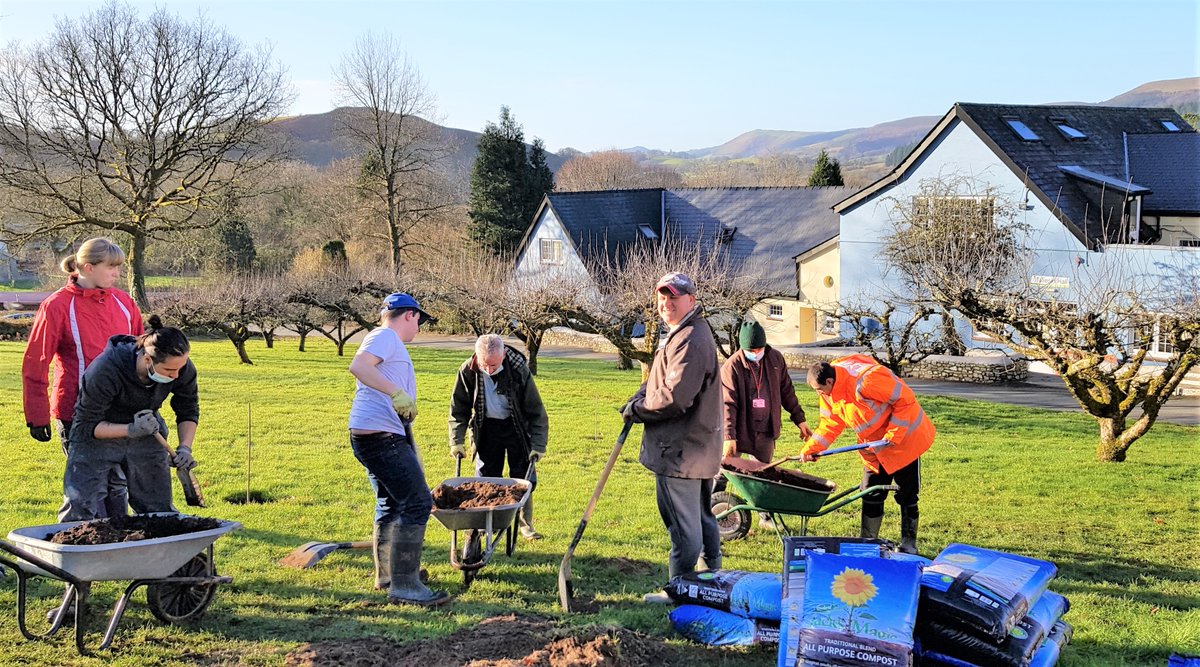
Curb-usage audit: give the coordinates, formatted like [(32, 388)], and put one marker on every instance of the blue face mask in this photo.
[(751, 356), (161, 379)]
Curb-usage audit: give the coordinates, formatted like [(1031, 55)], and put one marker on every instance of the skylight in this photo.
[(1022, 129), (647, 232), (1169, 125), (1068, 130)]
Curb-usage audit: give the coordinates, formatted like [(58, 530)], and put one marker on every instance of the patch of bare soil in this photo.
[(131, 529), (514, 640), (471, 495), (778, 474)]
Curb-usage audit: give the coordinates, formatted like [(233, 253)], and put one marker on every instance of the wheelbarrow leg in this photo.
[(118, 612), (81, 597), (64, 608)]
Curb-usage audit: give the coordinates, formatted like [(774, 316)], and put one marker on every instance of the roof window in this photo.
[(1022, 130), (1170, 126), (647, 232), (1068, 130)]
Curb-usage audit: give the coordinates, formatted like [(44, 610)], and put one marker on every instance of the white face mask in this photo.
[(751, 356), (161, 379)]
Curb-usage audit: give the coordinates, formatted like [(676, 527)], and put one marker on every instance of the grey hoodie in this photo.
[(111, 391)]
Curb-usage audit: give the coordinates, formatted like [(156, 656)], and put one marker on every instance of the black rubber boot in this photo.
[(406, 586), (381, 551), (908, 529), (871, 524)]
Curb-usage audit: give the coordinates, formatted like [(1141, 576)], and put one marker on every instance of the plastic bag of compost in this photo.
[(980, 589), (721, 628), (1015, 650), (747, 594), (858, 612), (1046, 655), (794, 551)]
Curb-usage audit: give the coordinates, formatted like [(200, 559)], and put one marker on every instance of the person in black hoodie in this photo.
[(116, 417)]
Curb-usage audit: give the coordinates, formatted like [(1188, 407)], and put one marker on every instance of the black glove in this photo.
[(40, 433)]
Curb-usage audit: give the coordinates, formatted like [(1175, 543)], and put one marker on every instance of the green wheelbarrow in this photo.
[(805, 497)]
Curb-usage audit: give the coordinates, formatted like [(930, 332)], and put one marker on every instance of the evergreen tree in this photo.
[(506, 185), (237, 244), (826, 171)]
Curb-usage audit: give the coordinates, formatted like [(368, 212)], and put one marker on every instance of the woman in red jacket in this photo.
[(71, 328)]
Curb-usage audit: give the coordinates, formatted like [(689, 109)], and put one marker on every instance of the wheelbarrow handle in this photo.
[(848, 448), (53, 570)]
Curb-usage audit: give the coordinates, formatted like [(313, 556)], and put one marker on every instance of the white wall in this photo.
[(530, 265)]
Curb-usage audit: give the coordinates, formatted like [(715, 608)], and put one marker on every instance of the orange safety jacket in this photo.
[(878, 405)]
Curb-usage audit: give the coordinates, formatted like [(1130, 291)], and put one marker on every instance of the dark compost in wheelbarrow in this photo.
[(782, 475), (131, 529), (473, 495)]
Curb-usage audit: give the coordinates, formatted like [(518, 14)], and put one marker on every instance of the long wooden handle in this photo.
[(608, 467), (163, 441)]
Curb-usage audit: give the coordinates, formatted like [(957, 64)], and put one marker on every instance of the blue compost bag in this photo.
[(984, 590), (858, 612), (1177, 660), (747, 594), (721, 628), (794, 567), (1046, 655), (1014, 651), (911, 558)]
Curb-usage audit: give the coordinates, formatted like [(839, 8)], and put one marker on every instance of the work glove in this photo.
[(405, 405), (628, 413), (458, 451), (144, 423), (40, 433), (183, 458), (534, 457), (729, 448), (805, 430)]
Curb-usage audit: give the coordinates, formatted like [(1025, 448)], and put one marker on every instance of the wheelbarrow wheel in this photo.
[(179, 603), (736, 525)]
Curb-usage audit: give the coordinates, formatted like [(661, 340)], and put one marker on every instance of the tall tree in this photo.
[(506, 188), (613, 170), (135, 125), (827, 171), (391, 125)]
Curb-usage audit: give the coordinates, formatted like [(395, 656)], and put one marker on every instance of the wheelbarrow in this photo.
[(178, 572), (486, 526), (807, 497)]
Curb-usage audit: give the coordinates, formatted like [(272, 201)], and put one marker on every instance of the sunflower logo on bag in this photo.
[(855, 588)]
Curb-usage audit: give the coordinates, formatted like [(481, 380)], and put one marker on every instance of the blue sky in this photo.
[(681, 75)]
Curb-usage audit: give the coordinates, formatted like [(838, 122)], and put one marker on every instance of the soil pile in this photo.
[(131, 529), (473, 495), (515, 640), (778, 474)]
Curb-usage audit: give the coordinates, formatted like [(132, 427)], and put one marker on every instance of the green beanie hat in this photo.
[(752, 336)]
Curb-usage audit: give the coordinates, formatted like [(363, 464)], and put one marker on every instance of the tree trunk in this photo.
[(269, 338), (624, 363), (1112, 446), (953, 342), (240, 344), (533, 344), (341, 347), (137, 271), (303, 336), (393, 226)]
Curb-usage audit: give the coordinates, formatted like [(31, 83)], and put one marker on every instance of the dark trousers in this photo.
[(685, 506), (401, 494), (89, 469), (498, 439), (907, 478), (115, 501)]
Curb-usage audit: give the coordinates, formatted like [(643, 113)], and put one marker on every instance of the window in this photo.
[(1068, 130), (1159, 340), (1190, 243), (829, 325), (1022, 130), (775, 311), (647, 232), (1169, 125), (551, 251)]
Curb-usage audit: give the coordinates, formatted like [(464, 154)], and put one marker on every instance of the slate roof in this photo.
[(605, 221), (1080, 201), (1168, 164), (772, 225)]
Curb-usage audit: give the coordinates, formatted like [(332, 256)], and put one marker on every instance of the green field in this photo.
[(1126, 537)]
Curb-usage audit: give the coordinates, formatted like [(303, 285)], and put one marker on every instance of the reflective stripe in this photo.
[(825, 412), (822, 439), (895, 393), (77, 339), (870, 423), (128, 316)]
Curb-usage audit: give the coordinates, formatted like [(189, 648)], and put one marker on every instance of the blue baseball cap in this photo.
[(400, 300)]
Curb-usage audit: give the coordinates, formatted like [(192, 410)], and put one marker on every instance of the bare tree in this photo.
[(119, 123), (1098, 329), (400, 148), (349, 297), (613, 170), (893, 330), (228, 304)]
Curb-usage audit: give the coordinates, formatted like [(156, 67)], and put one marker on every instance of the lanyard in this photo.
[(757, 378)]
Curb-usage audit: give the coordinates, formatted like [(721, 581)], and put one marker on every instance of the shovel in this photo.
[(827, 452), (307, 555), (187, 478), (565, 590)]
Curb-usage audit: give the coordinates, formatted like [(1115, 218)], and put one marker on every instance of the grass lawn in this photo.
[(1126, 537)]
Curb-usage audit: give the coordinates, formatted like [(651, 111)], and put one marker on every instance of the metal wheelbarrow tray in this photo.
[(177, 571), (485, 523), (748, 493)]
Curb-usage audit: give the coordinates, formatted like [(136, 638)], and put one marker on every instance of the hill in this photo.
[(1182, 95)]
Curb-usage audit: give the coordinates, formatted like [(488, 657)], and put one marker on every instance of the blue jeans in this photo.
[(89, 469), (401, 494)]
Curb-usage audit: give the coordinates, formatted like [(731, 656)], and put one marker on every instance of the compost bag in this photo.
[(858, 612), (794, 569), (1046, 655), (721, 628), (1015, 650), (980, 589), (746, 594)]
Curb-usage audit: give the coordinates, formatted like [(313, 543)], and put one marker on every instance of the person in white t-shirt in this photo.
[(380, 421)]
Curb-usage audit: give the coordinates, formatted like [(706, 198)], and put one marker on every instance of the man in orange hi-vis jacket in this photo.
[(858, 392)]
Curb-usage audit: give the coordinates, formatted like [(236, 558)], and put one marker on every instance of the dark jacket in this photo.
[(738, 377), (680, 404), (112, 391), (524, 402)]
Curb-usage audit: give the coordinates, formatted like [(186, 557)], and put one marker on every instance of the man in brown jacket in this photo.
[(680, 405)]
